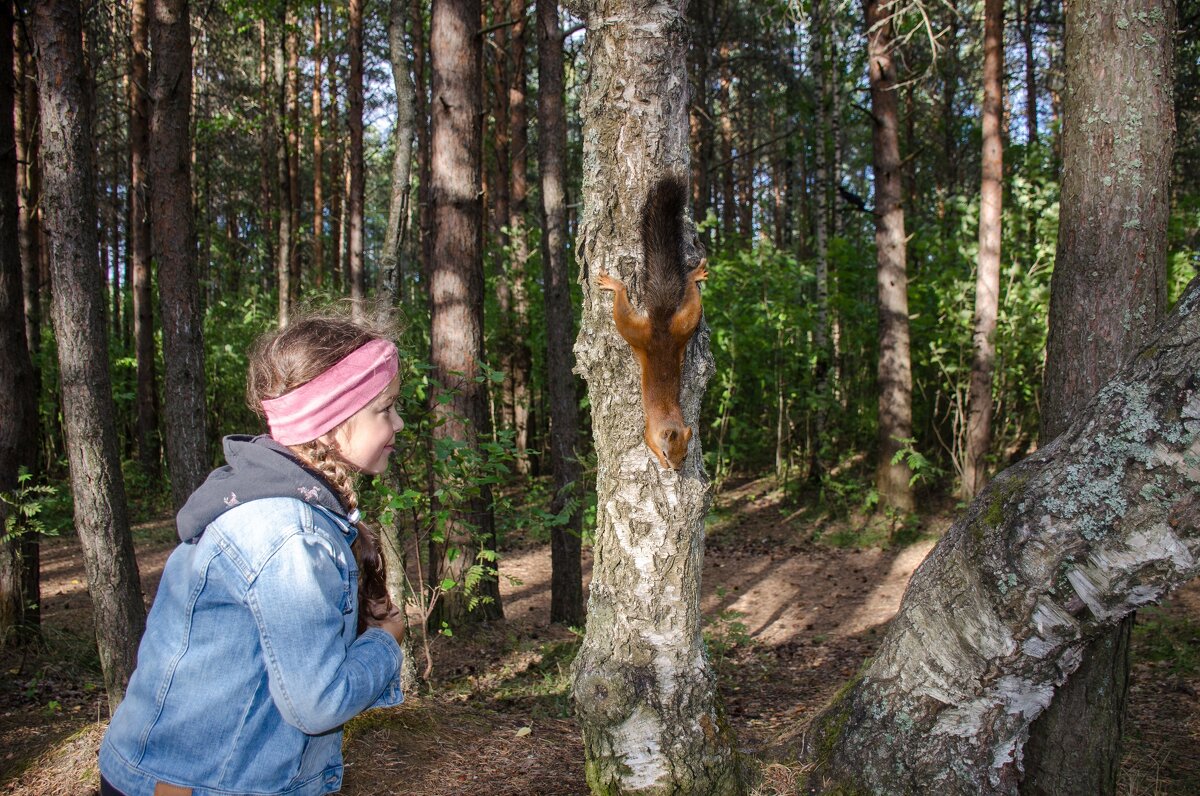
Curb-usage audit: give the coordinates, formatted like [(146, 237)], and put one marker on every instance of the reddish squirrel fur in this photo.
[(659, 333)]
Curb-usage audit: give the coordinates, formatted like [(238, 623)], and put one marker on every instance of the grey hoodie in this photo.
[(258, 467)]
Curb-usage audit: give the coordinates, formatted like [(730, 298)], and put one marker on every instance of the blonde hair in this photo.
[(283, 360)]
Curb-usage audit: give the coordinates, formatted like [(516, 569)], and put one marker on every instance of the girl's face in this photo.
[(368, 437)]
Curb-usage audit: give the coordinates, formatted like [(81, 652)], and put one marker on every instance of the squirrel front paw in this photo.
[(606, 282), (700, 272)]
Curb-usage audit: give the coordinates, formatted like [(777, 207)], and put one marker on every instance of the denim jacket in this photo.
[(251, 662)]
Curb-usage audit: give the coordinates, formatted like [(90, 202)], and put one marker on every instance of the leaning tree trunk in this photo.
[(895, 366), (987, 276), (78, 308), (566, 576), (174, 240), (1049, 558), (1108, 292), (18, 401), (456, 294), (643, 689)]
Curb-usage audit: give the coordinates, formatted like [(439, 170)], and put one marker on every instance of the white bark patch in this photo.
[(636, 744), (1015, 695)]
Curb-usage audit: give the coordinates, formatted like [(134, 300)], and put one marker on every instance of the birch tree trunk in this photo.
[(78, 298), (406, 120), (1107, 294), (987, 277), (1048, 558), (518, 163), (895, 366), (174, 240), (566, 576), (643, 689)]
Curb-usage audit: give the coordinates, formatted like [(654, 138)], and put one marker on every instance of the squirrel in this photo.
[(659, 333)]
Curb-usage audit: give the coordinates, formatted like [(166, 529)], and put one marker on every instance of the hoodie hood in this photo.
[(258, 467)]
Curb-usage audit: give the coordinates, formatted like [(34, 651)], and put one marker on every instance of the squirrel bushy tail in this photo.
[(662, 239)]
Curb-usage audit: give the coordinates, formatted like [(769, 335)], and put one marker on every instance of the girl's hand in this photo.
[(383, 614)]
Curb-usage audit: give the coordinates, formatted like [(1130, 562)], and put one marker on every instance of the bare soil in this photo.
[(788, 620)]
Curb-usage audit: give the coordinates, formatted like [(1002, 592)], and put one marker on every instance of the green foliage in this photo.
[(1168, 639), (25, 509)]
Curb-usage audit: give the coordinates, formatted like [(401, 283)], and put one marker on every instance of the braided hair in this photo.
[(280, 362)]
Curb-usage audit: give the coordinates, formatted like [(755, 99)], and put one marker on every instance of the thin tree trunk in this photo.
[(390, 259), (1107, 294), (149, 450), (318, 106), (355, 201), (823, 194), (1031, 121), (566, 578), (291, 102), (267, 131), (28, 133), (518, 160), (1052, 555), (456, 287), (724, 99), (424, 203), (987, 278), (895, 368), (337, 177), (174, 240), (644, 692), (87, 406), (19, 617), (283, 172)]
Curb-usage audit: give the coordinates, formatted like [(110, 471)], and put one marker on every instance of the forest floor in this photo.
[(794, 602)]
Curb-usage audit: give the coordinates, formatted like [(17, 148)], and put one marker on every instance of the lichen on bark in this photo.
[(1056, 551)]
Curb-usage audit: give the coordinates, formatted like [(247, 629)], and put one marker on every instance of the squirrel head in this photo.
[(669, 443)]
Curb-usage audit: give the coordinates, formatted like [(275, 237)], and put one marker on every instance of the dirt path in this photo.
[(788, 620)]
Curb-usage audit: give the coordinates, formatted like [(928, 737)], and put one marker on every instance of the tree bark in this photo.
[(318, 168), (895, 367), (1054, 553), (78, 300), (18, 402), (518, 187), (987, 277), (291, 101), (643, 689), (357, 192), (1107, 294), (566, 577), (28, 134), (456, 288), (424, 203), (174, 240), (267, 132), (149, 450), (823, 201), (283, 185), (390, 259)]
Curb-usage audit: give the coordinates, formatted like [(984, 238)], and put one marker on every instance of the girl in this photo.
[(256, 650)]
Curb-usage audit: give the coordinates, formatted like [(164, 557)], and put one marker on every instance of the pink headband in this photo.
[(318, 406)]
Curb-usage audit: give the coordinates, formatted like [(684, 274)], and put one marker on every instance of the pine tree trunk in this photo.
[(566, 578), (99, 492), (267, 132), (149, 450), (357, 193), (1048, 559), (424, 203), (18, 402), (28, 134), (987, 277), (456, 287), (895, 368), (1031, 121), (291, 102), (390, 259), (1107, 294), (174, 241), (644, 693), (825, 179)]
